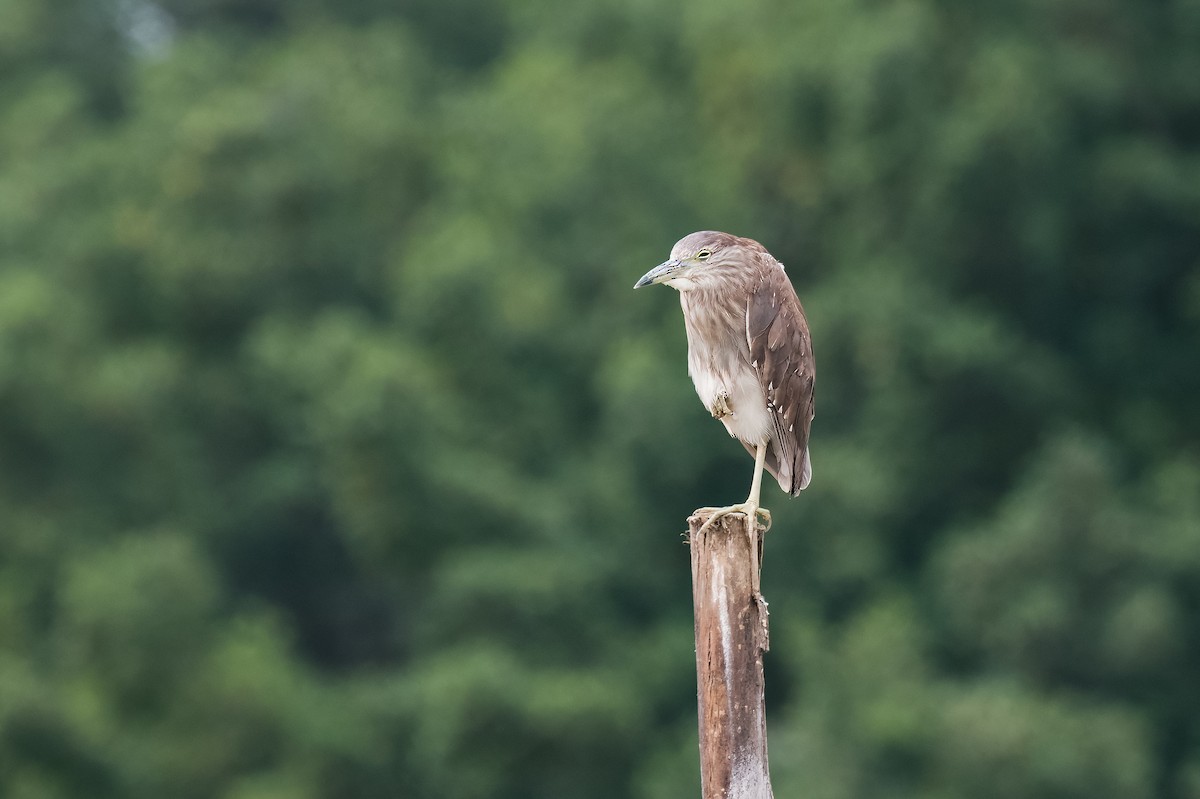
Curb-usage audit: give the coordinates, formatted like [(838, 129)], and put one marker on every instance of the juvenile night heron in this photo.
[(749, 353)]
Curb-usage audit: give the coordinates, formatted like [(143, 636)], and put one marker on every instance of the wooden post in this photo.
[(731, 637)]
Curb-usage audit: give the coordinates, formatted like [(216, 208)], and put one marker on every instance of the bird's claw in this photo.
[(765, 523), (762, 516), (720, 406)]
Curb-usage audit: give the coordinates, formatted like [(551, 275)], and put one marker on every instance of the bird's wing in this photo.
[(781, 354)]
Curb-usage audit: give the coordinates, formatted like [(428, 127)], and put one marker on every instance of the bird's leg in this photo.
[(760, 460), (720, 406), (750, 507)]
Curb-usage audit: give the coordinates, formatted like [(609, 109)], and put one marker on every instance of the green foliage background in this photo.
[(338, 460)]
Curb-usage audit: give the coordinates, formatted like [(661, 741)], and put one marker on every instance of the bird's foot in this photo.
[(761, 516), (720, 406)]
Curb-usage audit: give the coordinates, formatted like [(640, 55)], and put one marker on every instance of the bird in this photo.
[(750, 354)]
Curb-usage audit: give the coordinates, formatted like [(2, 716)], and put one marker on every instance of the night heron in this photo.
[(749, 353)]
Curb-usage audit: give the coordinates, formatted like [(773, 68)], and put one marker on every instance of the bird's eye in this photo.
[(703, 255)]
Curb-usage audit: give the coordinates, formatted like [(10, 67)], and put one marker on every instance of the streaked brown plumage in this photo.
[(749, 350)]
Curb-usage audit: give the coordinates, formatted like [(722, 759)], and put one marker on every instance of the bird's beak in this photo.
[(658, 274)]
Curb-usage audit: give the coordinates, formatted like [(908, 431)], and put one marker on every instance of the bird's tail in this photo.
[(791, 479), (805, 474)]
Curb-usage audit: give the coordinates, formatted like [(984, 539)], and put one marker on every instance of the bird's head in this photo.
[(699, 260)]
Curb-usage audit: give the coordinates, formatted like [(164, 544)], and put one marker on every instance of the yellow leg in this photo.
[(751, 506)]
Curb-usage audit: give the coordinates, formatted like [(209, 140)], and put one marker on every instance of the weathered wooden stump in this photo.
[(731, 637)]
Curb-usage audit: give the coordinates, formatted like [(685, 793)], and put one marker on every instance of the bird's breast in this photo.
[(719, 363)]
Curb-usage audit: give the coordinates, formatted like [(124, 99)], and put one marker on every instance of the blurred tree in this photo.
[(325, 406)]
